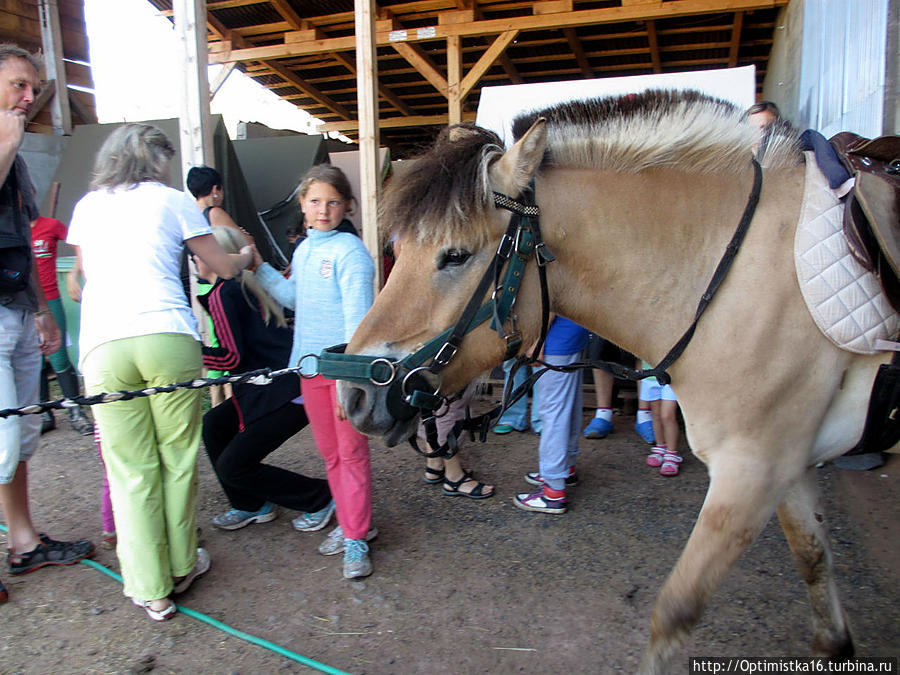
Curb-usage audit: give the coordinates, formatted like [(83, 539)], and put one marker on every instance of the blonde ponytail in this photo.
[(232, 240)]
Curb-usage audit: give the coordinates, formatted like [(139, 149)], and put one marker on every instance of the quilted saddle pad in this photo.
[(844, 298)]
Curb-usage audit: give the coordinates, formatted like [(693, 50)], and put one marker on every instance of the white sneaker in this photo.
[(201, 567), (334, 542), (356, 559)]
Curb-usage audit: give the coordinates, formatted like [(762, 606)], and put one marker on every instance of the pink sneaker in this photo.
[(670, 464), (655, 458)]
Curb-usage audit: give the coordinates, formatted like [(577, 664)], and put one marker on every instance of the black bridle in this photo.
[(415, 387)]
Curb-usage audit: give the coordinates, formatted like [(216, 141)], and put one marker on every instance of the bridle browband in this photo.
[(415, 387)]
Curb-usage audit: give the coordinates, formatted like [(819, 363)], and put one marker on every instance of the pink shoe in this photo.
[(670, 464), (655, 458)]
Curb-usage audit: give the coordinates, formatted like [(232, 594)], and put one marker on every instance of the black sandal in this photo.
[(49, 552), (433, 476), (451, 488), (4, 595)]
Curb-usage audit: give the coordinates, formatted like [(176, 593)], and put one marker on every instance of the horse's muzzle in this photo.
[(378, 411)]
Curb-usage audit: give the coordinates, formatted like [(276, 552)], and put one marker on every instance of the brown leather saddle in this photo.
[(872, 213)]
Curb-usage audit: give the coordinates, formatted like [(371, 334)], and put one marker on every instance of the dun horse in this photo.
[(639, 197)]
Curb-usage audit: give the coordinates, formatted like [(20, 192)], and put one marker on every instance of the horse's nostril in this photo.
[(353, 398)]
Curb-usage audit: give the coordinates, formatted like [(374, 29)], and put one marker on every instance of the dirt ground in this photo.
[(460, 586)]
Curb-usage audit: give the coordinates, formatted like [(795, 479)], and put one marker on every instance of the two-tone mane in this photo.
[(679, 130), (686, 131)]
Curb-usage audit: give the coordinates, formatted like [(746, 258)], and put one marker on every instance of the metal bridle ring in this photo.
[(391, 365), (307, 356), (405, 393)]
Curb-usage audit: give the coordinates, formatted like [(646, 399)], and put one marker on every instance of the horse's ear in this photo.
[(512, 172)]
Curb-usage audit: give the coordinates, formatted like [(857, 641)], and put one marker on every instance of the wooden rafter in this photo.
[(298, 23), (434, 56), (395, 122), (671, 9), (312, 92), (419, 60), (287, 13), (383, 91), (284, 73), (486, 61), (735, 45), (578, 51), (654, 46), (220, 78)]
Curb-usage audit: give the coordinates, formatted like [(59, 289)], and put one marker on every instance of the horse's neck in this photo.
[(636, 251)]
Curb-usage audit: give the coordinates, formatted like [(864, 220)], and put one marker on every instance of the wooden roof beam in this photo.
[(284, 73), (287, 13), (419, 60), (222, 75), (735, 39), (578, 52), (394, 122), (486, 61), (653, 44), (298, 23), (503, 59), (383, 91), (311, 91), (675, 8)]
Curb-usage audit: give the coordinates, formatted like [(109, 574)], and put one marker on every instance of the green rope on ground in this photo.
[(225, 628)]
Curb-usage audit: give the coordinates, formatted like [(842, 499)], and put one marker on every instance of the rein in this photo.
[(415, 387)]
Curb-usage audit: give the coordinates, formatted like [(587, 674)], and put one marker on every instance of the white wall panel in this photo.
[(842, 79)]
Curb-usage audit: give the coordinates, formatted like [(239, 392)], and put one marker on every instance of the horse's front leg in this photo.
[(742, 496), (802, 519)]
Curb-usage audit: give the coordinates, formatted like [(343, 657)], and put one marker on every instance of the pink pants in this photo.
[(106, 509), (346, 455)]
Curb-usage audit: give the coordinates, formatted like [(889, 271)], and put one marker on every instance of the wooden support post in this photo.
[(367, 95), (194, 121), (454, 79), (51, 37)]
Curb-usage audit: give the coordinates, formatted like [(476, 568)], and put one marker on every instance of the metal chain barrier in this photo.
[(261, 377)]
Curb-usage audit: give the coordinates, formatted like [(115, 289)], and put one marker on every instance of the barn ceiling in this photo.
[(303, 50)]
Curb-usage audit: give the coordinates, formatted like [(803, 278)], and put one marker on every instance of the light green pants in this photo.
[(150, 449)]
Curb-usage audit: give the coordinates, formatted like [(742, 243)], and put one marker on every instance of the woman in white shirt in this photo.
[(138, 331)]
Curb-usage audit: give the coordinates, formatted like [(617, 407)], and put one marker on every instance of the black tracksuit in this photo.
[(245, 429)]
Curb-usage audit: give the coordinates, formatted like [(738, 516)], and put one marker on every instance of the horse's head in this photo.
[(446, 230)]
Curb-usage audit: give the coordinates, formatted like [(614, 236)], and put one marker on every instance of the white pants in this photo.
[(560, 397)]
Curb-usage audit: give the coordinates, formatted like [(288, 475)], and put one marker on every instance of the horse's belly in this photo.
[(843, 423)]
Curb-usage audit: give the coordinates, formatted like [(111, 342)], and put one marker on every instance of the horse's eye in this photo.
[(453, 257)]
